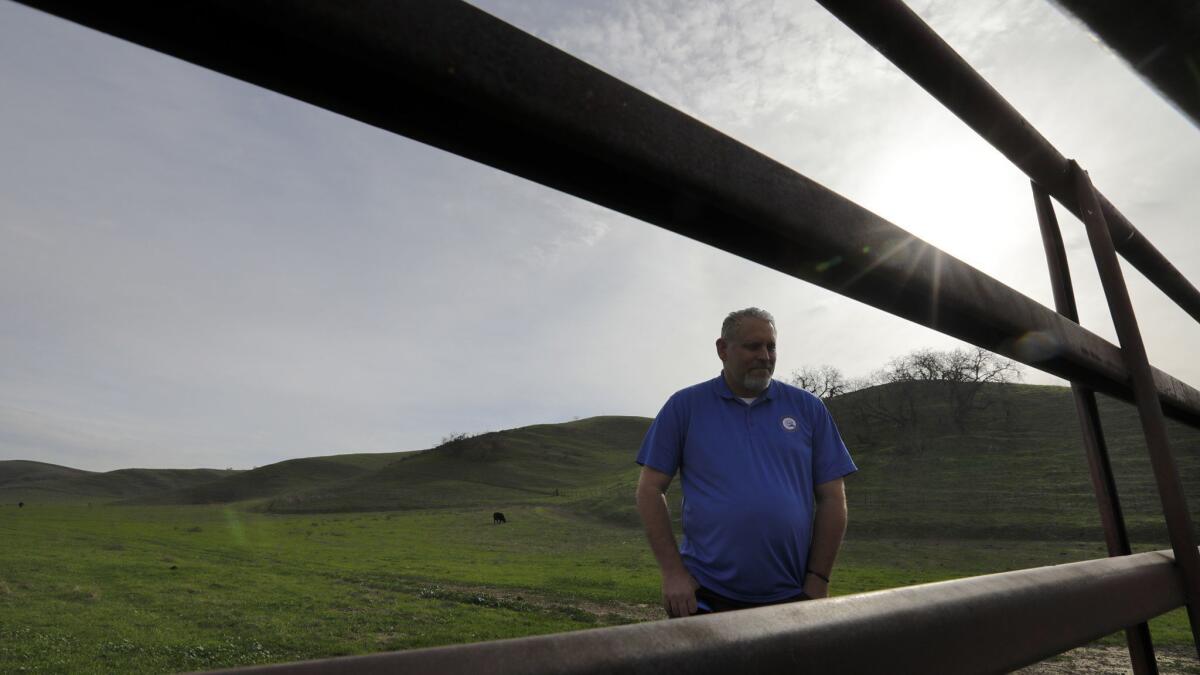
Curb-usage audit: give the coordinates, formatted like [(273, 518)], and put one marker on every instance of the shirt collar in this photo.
[(723, 390)]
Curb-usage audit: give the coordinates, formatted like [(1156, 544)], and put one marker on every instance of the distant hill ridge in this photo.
[(1014, 469), (19, 471), (23, 480)]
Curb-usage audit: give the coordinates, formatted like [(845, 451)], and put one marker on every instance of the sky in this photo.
[(195, 272)]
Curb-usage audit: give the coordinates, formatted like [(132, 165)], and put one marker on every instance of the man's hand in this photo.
[(679, 594), (678, 586), (815, 587), (829, 526)]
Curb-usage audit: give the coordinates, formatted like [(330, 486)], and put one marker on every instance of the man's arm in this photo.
[(678, 586), (829, 527)]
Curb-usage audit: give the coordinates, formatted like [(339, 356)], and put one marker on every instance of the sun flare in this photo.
[(962, 197)]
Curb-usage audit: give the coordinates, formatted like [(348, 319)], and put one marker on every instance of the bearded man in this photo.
[(761, 465)]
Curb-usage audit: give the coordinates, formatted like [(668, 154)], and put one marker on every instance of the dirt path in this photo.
[(606, 613), (1112, 661)]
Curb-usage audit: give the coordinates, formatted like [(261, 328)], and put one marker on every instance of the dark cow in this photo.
[(498, 518), (20, 505)]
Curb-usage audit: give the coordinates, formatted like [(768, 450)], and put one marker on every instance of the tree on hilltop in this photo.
[(959, 375), (961, 372), (823, 381)]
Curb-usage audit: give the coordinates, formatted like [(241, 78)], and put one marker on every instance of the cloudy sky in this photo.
[(196, 272)]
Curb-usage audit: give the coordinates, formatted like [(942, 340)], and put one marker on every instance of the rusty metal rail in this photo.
[(452, 76), (1104, 485), (909, 43), (985, 624), (900, 35), (1166, 472)]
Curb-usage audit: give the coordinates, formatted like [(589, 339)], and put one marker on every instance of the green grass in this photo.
[(111, 589), (355, 554), (155, 589)]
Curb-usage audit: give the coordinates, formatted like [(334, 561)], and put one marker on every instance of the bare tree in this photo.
[(967, 371), (454, 437), (921, 365), (961, 372), (860, 383), (823, 381), (958, 376)]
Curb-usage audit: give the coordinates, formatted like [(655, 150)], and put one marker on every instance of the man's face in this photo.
[(749, 358)]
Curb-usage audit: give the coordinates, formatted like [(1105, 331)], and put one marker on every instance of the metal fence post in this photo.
[(1141, 645), (1166, 473)]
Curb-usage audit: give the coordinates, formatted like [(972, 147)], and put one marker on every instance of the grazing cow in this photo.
[(498, 518), (20, 505)]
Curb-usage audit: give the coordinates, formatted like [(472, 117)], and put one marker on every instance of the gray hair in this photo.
[(730, 325)]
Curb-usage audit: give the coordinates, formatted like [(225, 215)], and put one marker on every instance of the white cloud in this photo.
[(729, 64)]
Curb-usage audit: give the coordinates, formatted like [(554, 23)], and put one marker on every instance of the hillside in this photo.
[(530, 464), (1013, 468), (25, 481), (288, 476), (1018, 470), (16, 472)]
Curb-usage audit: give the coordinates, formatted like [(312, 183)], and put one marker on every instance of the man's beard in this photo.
[(755, 382)]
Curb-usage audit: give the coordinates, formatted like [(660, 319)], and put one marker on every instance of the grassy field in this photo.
[(144, 570), (121, 589), (157, 589)]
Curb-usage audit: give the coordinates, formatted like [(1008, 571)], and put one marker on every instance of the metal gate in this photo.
[(454, 77)]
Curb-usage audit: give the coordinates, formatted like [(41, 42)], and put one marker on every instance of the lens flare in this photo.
[(235, 526), (1037, 346)]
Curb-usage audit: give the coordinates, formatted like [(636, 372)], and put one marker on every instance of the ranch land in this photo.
[(351, 554)]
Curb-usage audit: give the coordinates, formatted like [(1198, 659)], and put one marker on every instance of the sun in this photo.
[(958, 194)]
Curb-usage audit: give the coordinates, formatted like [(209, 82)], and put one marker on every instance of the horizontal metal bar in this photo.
[(909, 43), (985, 624), (1160, 40), (450, 75)]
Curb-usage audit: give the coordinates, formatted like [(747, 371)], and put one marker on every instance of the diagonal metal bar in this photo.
[(909, 43), (987, 624), (450, 75), (1160, 40), (1104, 486), (1166, 473)]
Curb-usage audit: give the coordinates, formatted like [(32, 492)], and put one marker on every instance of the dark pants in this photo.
[(720, 603)]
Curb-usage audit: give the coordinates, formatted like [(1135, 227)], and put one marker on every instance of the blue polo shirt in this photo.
[(747, 473)]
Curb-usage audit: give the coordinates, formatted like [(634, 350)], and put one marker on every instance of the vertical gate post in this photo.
[(1166, 473), (1141, 646)]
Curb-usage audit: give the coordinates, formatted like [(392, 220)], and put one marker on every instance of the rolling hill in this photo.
[(1017, 471), (26, 481), (267, 481), (1013, 468), (543, 463)]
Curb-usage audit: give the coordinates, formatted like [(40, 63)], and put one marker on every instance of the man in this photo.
[(761, 464)]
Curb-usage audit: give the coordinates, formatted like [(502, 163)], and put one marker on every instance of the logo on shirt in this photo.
[(788, 423)]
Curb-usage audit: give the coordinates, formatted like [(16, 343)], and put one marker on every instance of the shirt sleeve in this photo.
[(662, 448), (831, 459)]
